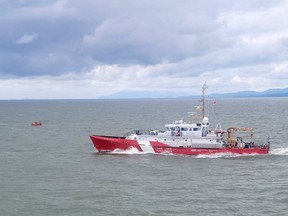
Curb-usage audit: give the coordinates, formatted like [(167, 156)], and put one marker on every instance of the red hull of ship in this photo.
[(109, 144)]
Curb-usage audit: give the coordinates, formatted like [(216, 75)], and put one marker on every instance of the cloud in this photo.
[(108, 80), (280, 71), (153, 34), (110, 46), (41, 10), (26, 38)]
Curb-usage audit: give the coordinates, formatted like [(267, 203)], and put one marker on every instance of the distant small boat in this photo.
[(37, 123)]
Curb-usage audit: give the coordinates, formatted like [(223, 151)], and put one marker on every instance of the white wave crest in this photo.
[(279, 151), (129, 151), (225, 155), (220, 155), (132, 150)]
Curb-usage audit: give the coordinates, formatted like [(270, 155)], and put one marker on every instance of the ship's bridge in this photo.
[(184, 129)]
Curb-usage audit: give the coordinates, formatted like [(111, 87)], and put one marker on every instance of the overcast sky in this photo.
[(94, 48)]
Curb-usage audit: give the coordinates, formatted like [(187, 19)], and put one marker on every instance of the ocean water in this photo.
[(54, 169)]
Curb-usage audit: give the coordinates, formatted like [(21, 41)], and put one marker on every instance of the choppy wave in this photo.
[(279, 151)]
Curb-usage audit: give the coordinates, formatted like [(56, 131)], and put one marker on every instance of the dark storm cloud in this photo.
[(38, 38), (150, 33), (104, 32)]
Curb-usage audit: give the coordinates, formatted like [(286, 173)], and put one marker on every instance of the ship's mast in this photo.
[(204, 87)]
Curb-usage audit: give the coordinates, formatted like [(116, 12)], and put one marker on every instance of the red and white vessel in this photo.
[(185, 139), (36, 123)]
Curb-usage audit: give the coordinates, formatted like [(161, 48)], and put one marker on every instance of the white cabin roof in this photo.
[(183, 125)]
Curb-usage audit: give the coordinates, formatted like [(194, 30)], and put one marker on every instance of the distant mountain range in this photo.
[(242, 94)]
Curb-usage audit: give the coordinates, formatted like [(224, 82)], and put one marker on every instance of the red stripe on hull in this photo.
[(204, 151)]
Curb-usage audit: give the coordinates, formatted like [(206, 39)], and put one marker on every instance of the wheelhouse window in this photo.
[(170, 128)]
